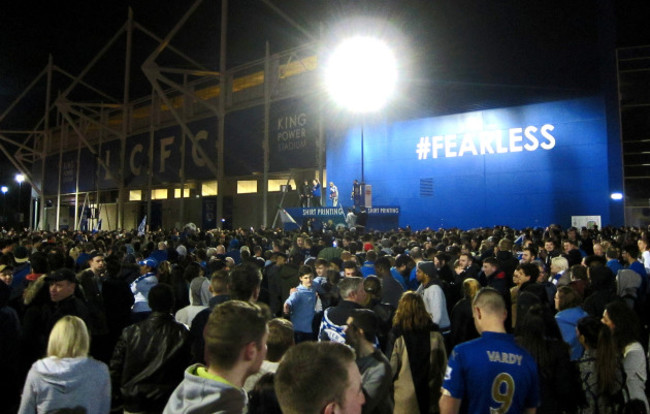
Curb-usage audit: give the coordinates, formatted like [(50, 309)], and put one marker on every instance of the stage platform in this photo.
[(382, 218)]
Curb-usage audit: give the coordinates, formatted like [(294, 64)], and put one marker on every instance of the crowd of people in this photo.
[(545, 320)]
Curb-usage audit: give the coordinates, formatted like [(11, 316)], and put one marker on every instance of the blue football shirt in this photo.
[(492, 374)]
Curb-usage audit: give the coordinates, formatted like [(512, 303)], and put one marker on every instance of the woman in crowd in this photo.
[(600, 370), (559, 378), (67, 379), (462, 322), (164, 272), (384, 311), (624, 324), (417, 357), (568, 304)]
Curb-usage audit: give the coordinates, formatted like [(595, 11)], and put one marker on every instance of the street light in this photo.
[(4, 190), (361, 76), (19, 179)]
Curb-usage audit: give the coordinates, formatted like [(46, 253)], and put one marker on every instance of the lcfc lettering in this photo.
[(504, 357)]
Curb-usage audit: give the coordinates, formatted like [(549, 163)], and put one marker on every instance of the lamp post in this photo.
[(4, 190), (360, 76), (19, 179)]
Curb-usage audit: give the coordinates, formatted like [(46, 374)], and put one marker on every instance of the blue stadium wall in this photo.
[(521, 166)]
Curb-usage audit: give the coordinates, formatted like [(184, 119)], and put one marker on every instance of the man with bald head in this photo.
[(482, 373)]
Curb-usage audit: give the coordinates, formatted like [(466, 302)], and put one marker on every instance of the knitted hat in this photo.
[(428, 268)]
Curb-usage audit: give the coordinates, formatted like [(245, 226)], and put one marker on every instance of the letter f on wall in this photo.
[(164, 152)]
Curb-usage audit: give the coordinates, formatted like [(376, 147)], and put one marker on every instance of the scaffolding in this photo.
[(188, 91)]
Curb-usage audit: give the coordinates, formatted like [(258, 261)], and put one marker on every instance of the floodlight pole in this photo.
[(362, 186), (4, 204), (363, 180)]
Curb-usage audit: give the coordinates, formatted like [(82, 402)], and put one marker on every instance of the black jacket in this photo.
[(89, 283), (148, 363), (39, 320)]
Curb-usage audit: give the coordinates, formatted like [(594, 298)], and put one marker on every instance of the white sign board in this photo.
[(585, 221), (367, 194)]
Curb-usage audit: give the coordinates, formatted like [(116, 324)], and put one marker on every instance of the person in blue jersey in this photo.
[(140, 288), (491, 373), (301, 305), (353, 296)]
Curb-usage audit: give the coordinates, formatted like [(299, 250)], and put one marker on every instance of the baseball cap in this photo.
[(152, 263), (94, 254), (60, 275), (21, 255)]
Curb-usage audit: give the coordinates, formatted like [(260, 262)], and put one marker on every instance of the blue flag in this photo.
[(98, 226)]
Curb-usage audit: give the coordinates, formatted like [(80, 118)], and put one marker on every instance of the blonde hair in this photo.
[(560, 262), (69, 338), (471, 287), (411, 314)]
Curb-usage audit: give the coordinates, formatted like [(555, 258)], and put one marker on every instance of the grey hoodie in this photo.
[(55, 383), (198, 395)]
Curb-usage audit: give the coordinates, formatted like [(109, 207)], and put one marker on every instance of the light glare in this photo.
[(361, 74), (20, 178), (4, 189), (617, 196)]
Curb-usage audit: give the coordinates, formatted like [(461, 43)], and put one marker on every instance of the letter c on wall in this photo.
[(199, 161), (135, 170)]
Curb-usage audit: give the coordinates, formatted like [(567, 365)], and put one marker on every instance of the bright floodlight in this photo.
[(361, 74), (4, 189), (20, 178), (616, 196)]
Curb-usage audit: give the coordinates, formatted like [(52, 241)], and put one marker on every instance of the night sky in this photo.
[(516, 46), (456, 55)]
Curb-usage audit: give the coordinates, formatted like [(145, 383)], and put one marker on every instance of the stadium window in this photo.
[(276, 185), (209, 188), (177, 192), (135, 195), (246, 186), (159, 194)]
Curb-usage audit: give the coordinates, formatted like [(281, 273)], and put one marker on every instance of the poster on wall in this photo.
[(293, 135), (590, 222)]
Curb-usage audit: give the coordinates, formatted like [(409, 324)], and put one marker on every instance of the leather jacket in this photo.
[(148, 363)]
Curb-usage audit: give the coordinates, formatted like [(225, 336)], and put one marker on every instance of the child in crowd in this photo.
[(321, 270), (6, 274), (301, 305)]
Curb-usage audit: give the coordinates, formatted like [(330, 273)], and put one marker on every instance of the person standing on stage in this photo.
[(334, 194), (305, 195), (315, 192), (356, 194), (482, 373)]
